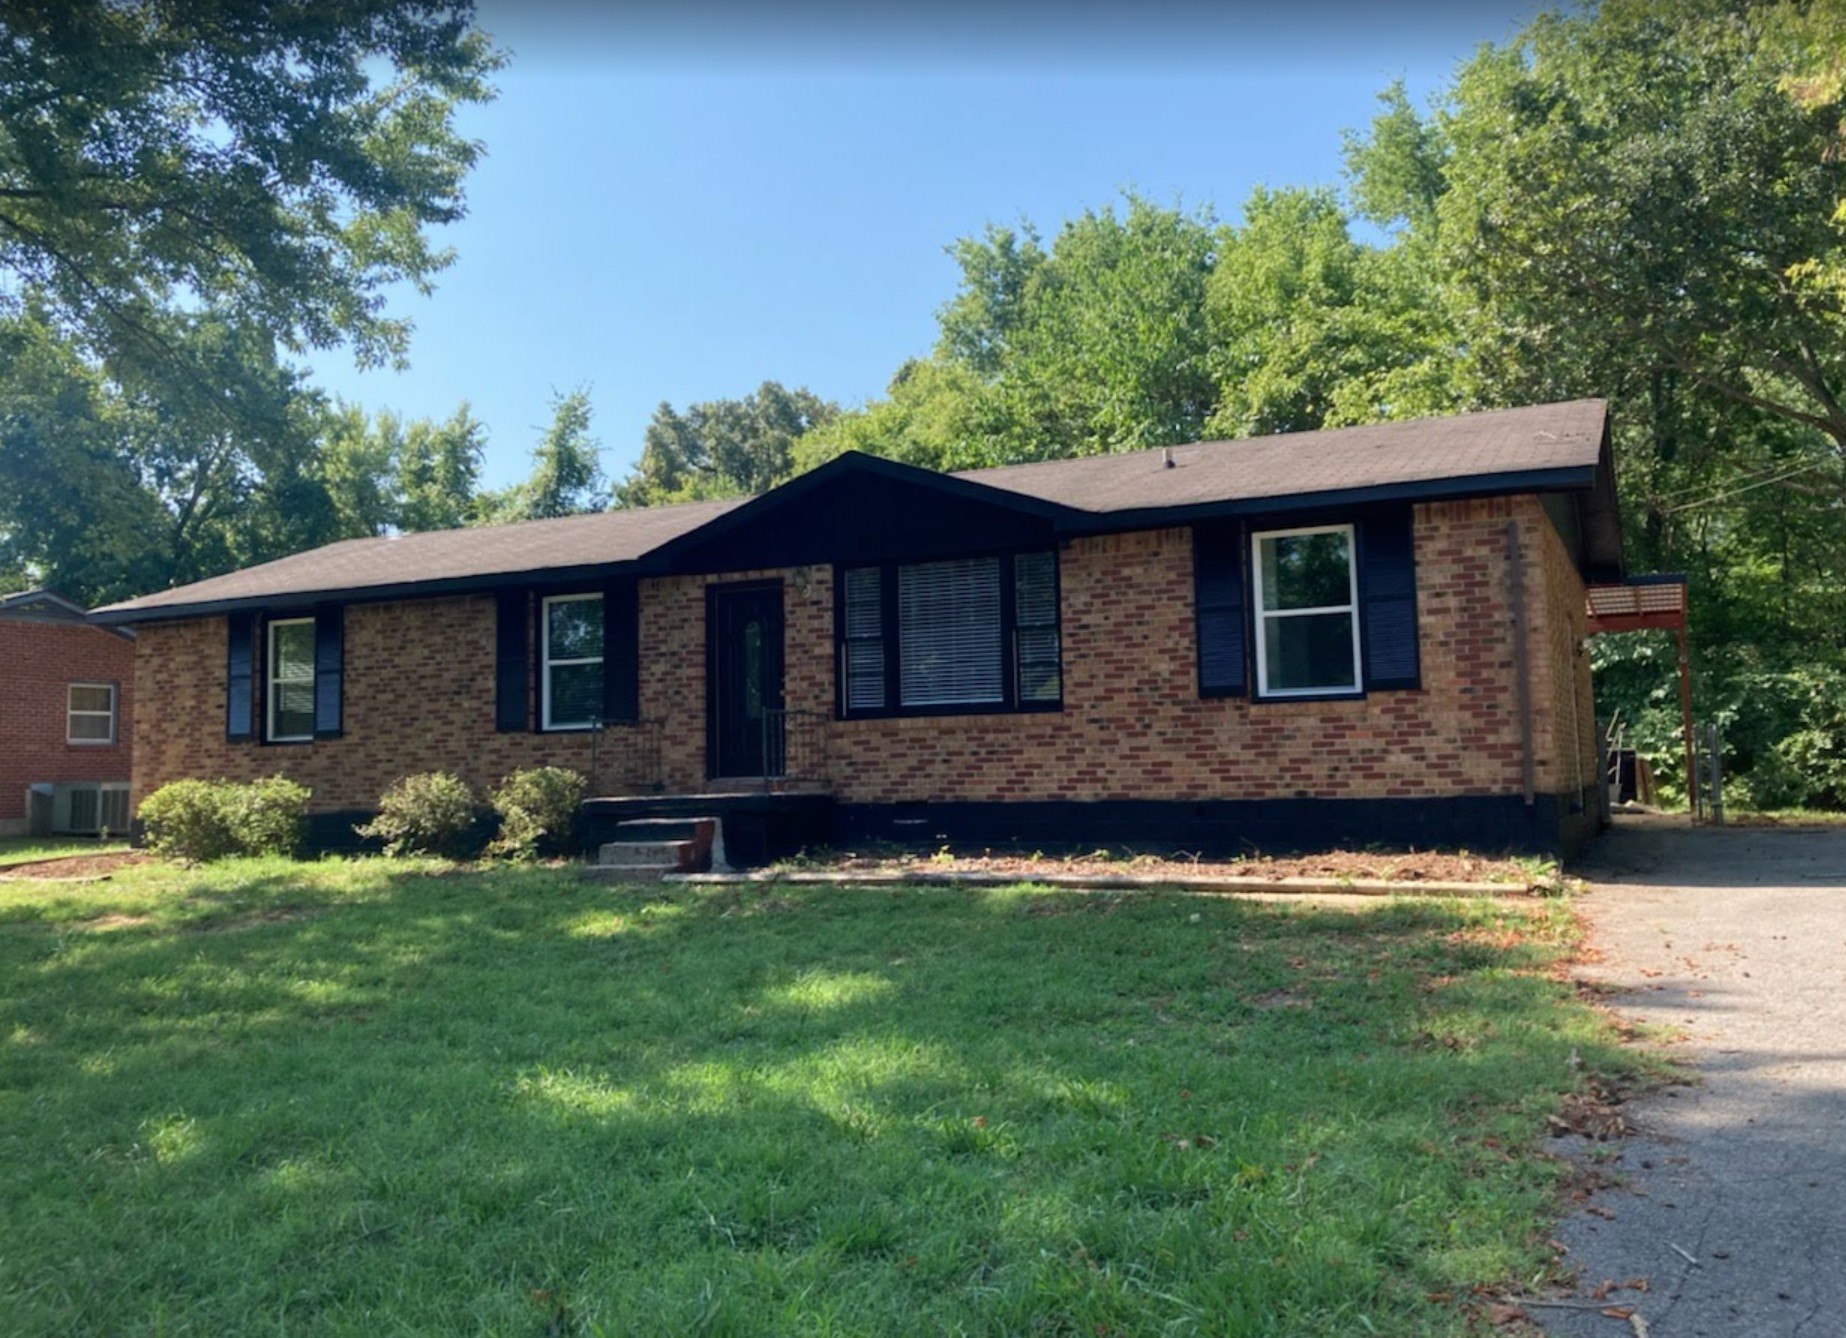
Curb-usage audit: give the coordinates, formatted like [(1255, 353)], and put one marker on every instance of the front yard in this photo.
[(374, 1097)]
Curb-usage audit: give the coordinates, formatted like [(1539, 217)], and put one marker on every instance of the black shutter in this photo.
[(1388, 600), (329, 670), (240, 678), (621, 650), (512, 662), (1218, 594)]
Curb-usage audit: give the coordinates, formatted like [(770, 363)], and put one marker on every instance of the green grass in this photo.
[(25, 849), (369, 1098)]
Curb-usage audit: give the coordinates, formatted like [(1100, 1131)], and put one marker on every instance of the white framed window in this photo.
[(290, 680), (571, 681), (1307, 611), (89, 713)]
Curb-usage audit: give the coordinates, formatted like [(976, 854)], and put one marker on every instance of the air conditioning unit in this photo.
[(89, 807)]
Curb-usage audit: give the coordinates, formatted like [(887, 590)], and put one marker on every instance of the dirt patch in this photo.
[(77, 866), (104, 923), (1413, 867)]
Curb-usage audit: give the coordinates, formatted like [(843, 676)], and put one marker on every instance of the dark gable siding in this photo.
[(512, 662), (1388, 600), (240, 678), (1223, 628)]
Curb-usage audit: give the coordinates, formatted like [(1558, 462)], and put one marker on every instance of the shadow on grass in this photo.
[(349, 1095)]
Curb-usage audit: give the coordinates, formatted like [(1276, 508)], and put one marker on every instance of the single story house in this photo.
[(66, 707), (1370, 634)]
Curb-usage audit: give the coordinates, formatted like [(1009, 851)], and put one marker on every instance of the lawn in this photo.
[(373, 1097), (26, 849)]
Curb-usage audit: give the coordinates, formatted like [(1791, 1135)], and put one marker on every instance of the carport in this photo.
[(1647, 604)]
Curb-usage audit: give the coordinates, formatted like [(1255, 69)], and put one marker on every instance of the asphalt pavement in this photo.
[(1730, 1198)]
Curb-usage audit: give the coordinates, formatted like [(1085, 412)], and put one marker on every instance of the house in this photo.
[(1370, 634), (66, 694)]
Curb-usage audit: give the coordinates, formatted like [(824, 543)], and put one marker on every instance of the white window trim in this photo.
[(71, 712), (270, 695), (546, 662), (1263, 615)]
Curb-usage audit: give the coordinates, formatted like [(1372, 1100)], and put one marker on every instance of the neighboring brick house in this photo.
[(66, 693), (1364, 634)]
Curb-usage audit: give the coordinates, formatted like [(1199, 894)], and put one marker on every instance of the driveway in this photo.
[(1733, 1196)]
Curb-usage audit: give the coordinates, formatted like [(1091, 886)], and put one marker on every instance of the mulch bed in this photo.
[(1431, 867), (76, 866)]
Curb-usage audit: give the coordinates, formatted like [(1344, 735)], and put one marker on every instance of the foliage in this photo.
[(199, 821), (723, 448), (567, 476), (432, 813), (277, 164), (538, 811), (777, 1110)]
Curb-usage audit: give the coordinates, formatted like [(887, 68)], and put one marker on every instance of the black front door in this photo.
[(743, 675)]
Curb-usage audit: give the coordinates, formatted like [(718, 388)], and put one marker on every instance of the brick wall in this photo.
[(39, 660), (419, 692)]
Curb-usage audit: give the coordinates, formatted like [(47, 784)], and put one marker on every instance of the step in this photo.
[(667, 829), (685, 856), (629, 873)]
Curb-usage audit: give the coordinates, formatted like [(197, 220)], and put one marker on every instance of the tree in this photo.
[(723, 448), (567, 476), (1311, 329), (275, 162), (928, 418), (1099, 345), (383, 474)]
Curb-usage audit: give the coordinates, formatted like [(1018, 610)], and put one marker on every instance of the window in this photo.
[(290, 680), (90, 713), (1307, 626), (573, 661), (967, 634)]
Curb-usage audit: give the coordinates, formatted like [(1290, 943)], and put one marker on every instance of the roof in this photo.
[(1486, 450), (432, 561), (1549, 447), (48, 606)]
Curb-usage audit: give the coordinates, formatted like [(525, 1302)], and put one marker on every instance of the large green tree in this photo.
[(278, 162), (723, 448), (567, 474)]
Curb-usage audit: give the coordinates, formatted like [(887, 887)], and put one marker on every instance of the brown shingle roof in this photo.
[(1478, 445), (446, 555), (1483, 450)]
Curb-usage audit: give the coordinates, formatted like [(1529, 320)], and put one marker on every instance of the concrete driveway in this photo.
[(1733, 1196)]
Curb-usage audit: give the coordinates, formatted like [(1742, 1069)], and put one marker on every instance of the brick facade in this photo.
[(39, 660), (419, 694)]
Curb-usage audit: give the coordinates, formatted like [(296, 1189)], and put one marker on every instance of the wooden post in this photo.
[(1685, 725)]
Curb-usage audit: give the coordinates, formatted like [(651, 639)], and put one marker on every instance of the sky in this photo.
[(679, 203)]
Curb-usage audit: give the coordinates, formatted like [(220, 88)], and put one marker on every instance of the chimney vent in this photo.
[(1166, 456)]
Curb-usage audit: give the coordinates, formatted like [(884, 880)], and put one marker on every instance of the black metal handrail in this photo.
[(625, 757), (795, 746)]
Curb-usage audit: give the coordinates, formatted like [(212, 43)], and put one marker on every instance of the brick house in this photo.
[(66, 707), (1363, 634)]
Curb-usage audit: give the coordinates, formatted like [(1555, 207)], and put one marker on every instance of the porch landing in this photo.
[(759, 826)]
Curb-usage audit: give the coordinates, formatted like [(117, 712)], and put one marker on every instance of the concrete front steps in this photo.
[(647, 849)]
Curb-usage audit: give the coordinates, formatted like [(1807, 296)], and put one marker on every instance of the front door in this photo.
[(743, 675)]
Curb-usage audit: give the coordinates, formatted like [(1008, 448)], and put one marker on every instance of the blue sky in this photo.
[(680, 204)]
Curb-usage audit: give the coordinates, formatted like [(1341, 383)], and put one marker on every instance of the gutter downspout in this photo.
[(1522, 665)]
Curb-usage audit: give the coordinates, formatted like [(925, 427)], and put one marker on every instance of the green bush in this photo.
[(538, 810), (432, 814), (197, 821)]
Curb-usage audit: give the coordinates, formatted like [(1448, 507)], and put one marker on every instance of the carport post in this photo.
[(1685, 725)]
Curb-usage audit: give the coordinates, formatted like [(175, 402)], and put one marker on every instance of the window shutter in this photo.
[(1038, 667), (862, 625), (1218, 594), (622, 650), (512, 662), (949, 647), (1388, 599), (329, 670), (240, 678)]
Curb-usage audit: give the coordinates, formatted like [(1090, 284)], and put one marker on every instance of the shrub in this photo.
[(197, 820), (432, 813), (538, 809)]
